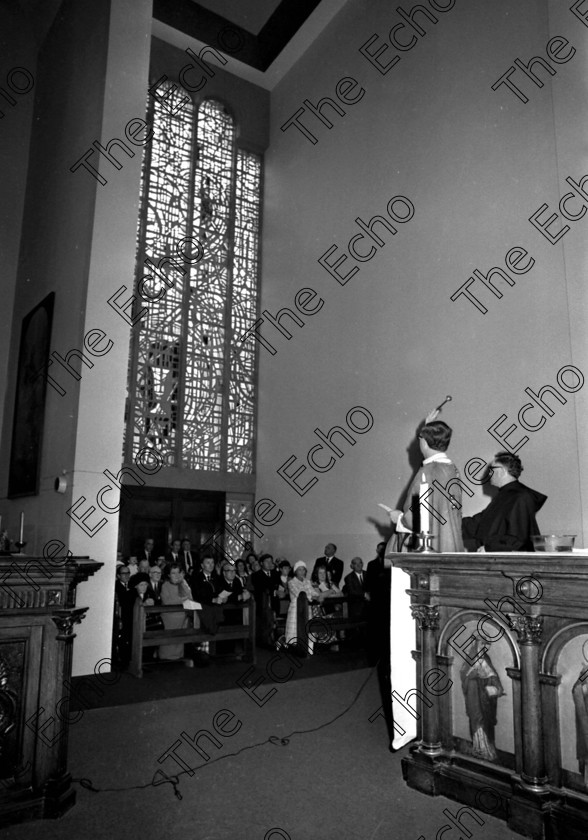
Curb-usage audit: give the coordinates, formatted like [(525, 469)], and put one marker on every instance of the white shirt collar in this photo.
[(440, 457)]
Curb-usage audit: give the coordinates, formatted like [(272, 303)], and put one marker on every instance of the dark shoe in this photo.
[(201, 659)]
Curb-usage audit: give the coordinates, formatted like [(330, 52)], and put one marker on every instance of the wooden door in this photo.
[(165, 514)]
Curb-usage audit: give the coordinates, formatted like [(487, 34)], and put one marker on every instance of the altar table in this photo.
[(500, 698)]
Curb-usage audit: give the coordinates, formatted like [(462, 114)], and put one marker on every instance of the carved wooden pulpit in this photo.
[(38, 615), (501, 694)]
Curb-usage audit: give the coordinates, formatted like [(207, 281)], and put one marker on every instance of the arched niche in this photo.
[(565, 674), (467, 633)]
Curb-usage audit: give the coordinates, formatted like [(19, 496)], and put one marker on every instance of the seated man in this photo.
[(187, 559), (230, 588), (173, 554), (205, 583), (355, 589), (147, 553), (231, 591), (508, 523), (332, 564)]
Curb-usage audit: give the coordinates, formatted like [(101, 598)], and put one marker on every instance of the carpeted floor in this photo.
[(173, 679), (306, 764)]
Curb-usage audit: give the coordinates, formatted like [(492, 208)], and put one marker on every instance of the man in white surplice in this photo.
[(443, 519)]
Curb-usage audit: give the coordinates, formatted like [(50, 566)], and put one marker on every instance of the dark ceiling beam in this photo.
[(257, 51), (281, 27)]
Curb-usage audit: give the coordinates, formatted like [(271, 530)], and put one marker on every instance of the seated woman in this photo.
[(252, 562), (296, 585), (321, 578), (285, 572), (175, 590), (140, 583)]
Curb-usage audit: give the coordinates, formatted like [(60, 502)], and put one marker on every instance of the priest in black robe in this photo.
[(509, 522)]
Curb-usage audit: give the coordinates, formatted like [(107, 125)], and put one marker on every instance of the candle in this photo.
[(20, 539), (424, 511)]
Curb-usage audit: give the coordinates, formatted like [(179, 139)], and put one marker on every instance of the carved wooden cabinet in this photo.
[(501, 697), (38, 615)]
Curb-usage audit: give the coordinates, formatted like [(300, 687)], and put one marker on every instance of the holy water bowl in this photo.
[(554, 542)]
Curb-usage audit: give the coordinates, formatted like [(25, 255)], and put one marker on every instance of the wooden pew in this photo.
[(335, 621), (143, 638)]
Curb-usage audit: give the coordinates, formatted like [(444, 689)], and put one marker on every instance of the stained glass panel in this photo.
[(237, 509), (191, 382)]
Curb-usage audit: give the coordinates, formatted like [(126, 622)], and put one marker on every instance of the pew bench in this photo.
[(143, 638), (334, 621)]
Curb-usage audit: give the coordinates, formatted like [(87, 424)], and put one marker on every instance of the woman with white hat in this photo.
[(299, 583)]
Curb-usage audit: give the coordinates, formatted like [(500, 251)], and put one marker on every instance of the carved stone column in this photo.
[(65, 621), (428, 621), (530, 629)]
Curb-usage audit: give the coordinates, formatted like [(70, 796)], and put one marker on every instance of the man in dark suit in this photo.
[(331, 563), (172, 557), (124, 598), (187, 560), (147, 552), (155, 584), (230, 588), (265, 583), (378, 581), (230, 591), (355, 590), (205, 583), (374, 569)]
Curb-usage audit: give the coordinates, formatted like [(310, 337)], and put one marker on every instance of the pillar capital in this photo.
[(427, 616), (528, 627)]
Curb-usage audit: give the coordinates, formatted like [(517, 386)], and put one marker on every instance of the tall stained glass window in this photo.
[(191, 381)]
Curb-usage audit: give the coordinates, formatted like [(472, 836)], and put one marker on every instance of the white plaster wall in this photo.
[(103, 390), (476, 163)]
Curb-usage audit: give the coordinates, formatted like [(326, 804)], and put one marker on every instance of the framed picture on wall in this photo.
[(29, 401)]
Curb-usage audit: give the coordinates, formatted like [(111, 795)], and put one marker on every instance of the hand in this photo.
[(432, 415), (366, 595), (481, 550), (149, 602), (395, 515), (246, 595)]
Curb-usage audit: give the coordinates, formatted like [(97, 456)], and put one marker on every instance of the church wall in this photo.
[(18, 50), (54, 248), (79, 241), (102, 394), (476, 163)]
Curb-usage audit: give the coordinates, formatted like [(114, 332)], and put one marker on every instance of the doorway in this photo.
[(165, 514)]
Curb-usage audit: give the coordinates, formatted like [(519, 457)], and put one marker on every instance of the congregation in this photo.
[(203, 583)]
